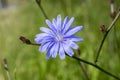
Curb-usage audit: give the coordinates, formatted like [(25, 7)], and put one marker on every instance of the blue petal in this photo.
[(39, 37), (47, 39), (74, 38), (59, 21), (68, 24), (47, 30), (48, 55), (44, 46), (61, 52), (73, 30), (50, 25), (54, 23), (49, 51), (68, 50), (74, 45), (64, 22), (71, 44), (54, 50)]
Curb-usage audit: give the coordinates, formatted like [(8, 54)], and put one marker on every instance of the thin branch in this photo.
[(35, 44), (41, 8), (108, 29), (6, 68), (82, 65), (27, 41), (113, 22), (96, 66), (112, 13)]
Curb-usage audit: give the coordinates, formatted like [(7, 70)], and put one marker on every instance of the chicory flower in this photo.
[(59, 38)]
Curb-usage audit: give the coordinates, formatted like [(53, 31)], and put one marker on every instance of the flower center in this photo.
[(59, 37)]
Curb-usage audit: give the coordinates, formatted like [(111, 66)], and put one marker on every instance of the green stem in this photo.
[(84, 70), (100, 48), (6, 68), (41, 8), (94, 65), (82, 65), (97, 67), (89, 63), (35, 44), (103, 40)]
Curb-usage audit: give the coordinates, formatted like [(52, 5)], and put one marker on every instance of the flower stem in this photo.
[(103, 40), (97, 67), (89, 63), (41, 8), (6, 68), (82, 65), (84, 70)]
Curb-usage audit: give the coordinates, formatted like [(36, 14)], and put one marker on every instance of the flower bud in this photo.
[(24, 40), (103, 28)]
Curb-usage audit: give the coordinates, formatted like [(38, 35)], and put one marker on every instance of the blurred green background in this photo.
[(23, 17)]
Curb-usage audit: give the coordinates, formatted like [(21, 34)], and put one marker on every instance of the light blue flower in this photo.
[(58, 38)]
